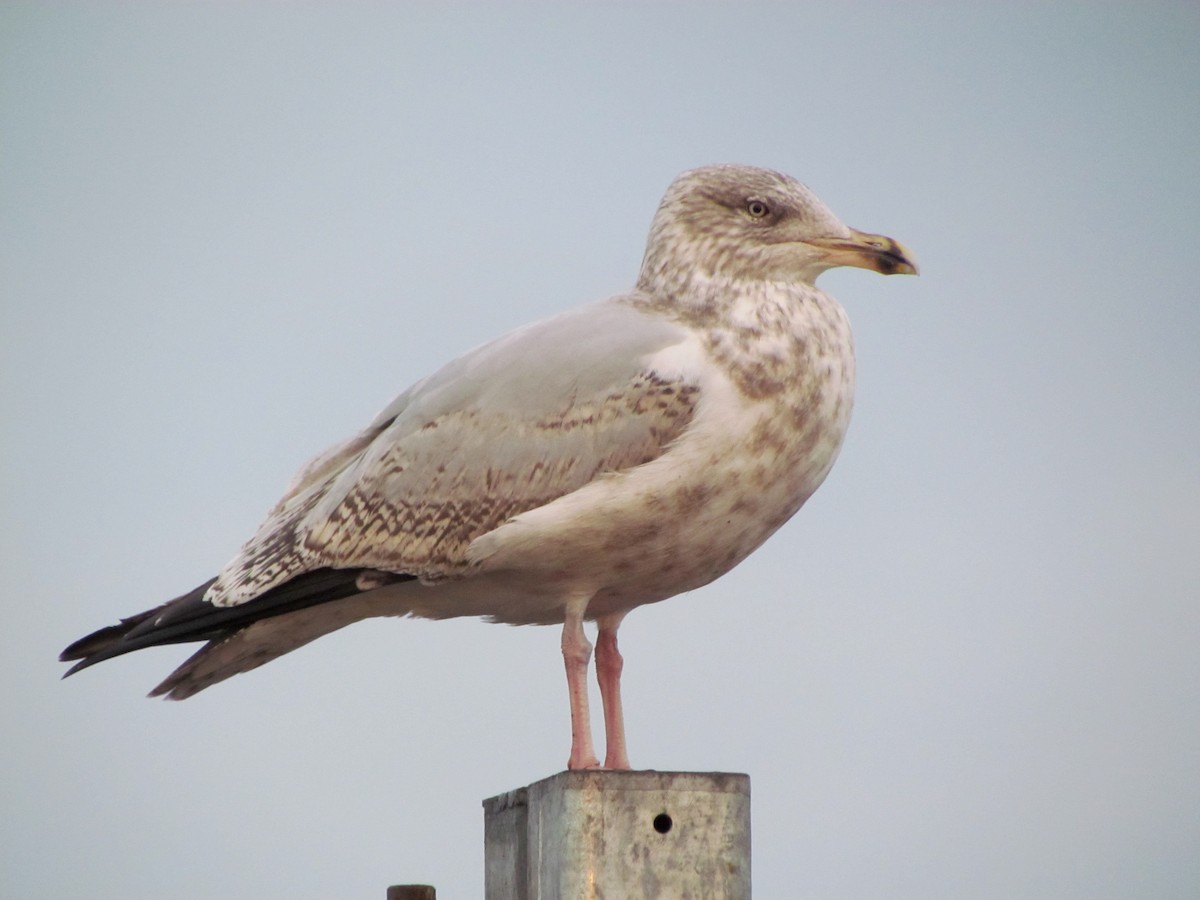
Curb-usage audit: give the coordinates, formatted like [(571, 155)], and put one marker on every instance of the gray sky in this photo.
[(229, 234)]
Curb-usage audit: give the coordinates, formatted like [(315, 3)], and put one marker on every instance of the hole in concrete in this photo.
[(662, 823)]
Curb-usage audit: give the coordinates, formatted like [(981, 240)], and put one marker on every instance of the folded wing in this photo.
[(509, 427)]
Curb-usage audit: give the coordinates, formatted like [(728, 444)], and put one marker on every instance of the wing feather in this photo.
[(505, 429)]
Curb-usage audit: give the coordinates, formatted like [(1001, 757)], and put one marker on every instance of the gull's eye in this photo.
[(757, 209)]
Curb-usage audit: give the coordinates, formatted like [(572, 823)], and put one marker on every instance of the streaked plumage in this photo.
[(611, 456)]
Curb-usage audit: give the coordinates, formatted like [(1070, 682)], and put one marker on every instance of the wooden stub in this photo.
[(411, 892)]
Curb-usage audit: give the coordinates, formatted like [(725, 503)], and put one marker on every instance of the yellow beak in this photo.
[(876, 252)]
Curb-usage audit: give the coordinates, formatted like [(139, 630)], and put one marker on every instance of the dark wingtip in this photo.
[(97, 641), (103, 644), (75, 668), (189, 618)]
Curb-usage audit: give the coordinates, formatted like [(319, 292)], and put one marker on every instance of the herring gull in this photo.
[(574, 469)]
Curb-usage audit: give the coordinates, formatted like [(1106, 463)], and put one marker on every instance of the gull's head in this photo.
[(748, 223)]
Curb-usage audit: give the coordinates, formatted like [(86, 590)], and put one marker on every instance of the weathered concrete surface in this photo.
[(599, 835)]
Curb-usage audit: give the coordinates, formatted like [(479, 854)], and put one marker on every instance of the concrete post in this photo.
[(599, 834)]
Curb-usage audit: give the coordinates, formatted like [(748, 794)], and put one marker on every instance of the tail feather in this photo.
[(190, 618), (268, 639)]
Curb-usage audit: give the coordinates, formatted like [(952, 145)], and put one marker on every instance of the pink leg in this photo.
[(577, 652), (608, 672)]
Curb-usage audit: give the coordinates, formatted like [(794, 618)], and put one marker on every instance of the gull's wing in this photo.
[(504, 429)]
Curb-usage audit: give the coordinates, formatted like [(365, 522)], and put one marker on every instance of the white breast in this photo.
[(743, 467)]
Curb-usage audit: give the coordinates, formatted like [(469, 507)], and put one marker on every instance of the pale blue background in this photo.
[(230, 233)]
